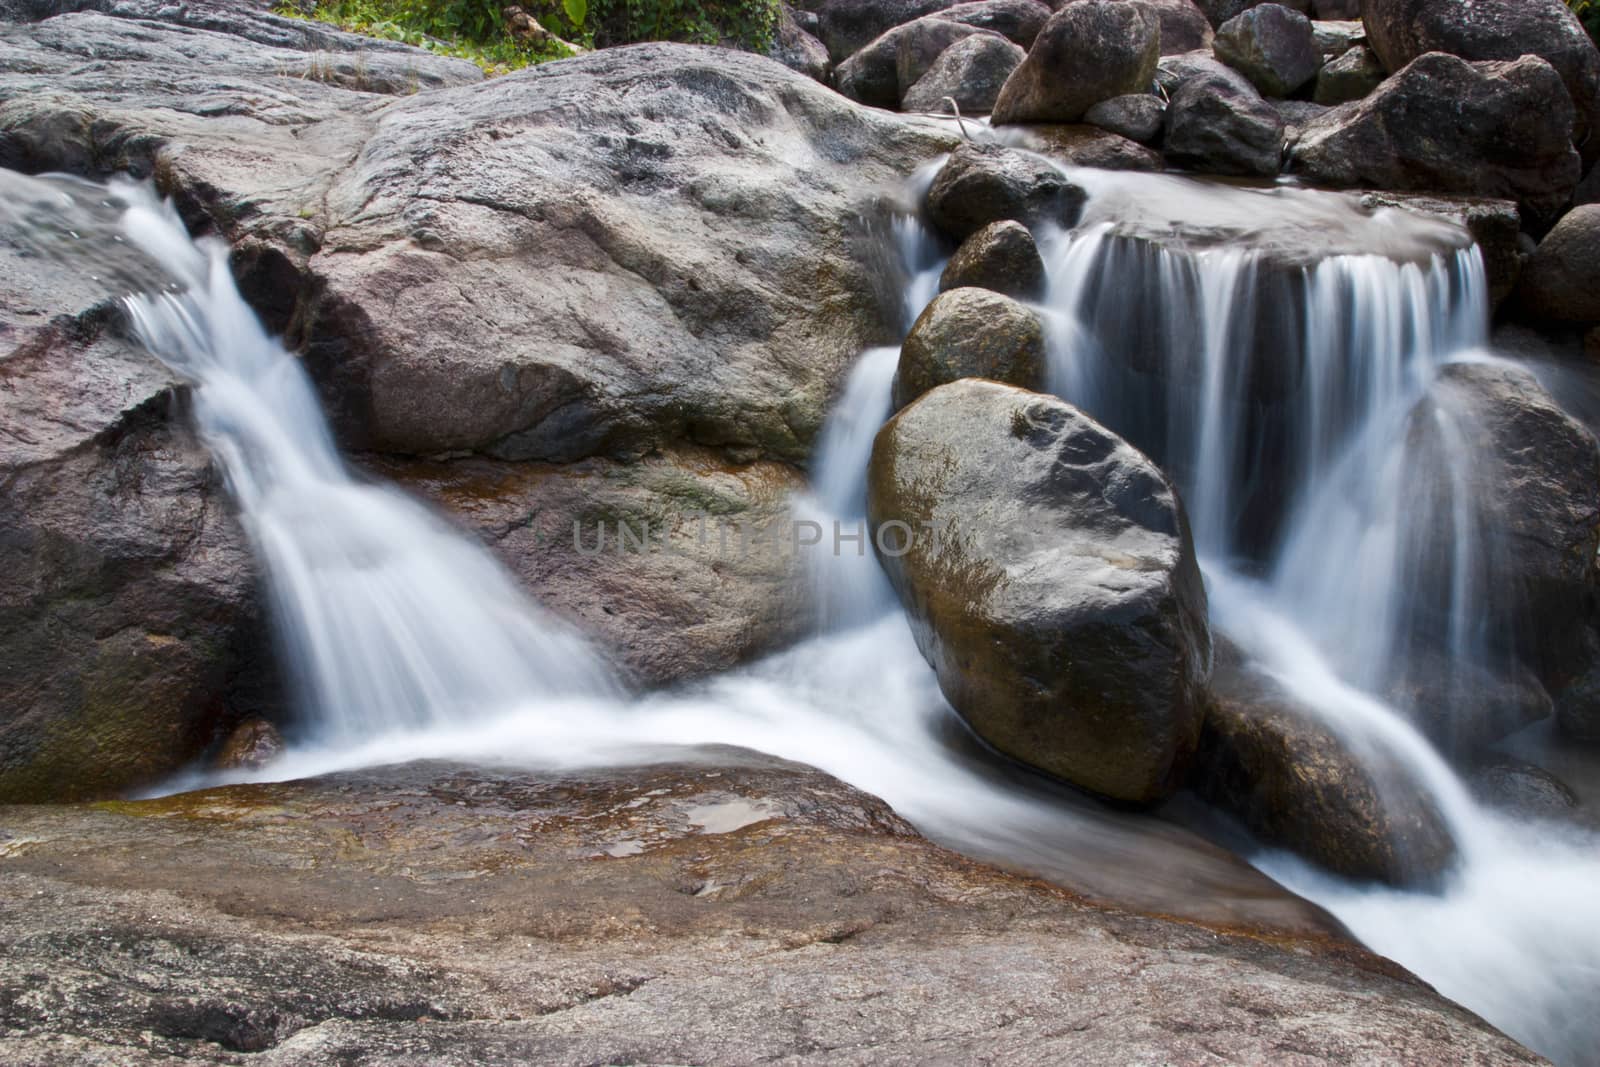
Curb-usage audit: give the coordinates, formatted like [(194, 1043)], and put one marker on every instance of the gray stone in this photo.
[(1089, 146), (1184, 27), (884, 70), (1220, 11), (1402, 30), (1088, 52), (1444, 125), (1272, 46), (1138, 117), (799, 50), (970, 72), (1218, 124), (1293, 783), (1001, 257), (1050, 581), (984, 183), (1561, 281), (1351, 76), (506, 919), (970, 332)]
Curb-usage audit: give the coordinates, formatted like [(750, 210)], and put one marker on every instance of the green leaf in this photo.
[(577, 11)]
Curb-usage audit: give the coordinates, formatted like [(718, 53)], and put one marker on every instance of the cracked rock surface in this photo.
[(727, 908)]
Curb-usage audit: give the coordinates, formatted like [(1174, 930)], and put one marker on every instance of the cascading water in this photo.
[(1288, 423), (386, 617), (410, 642)]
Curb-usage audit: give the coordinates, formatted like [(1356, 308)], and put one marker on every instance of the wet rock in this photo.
[(1578, 705), (1402, 30), (1218, 124), (885, 69), (253, 744), (1296, 784), (1524, 790), (128, 608), (970, 333), (970, 72), (1221, 11), (1444, 125), (1270, 45), (985, 183), (1351, 76), (1495, 225), (1561, 281), (1138, 117), (1089, 146), (601, 917), (1528, 478), (1297, 115), (667, 562), (1088, 52), (1184, 27), (1001, 257), (798, 50), (1050, 580)]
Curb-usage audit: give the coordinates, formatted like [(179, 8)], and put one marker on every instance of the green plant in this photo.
[(1588, 12)]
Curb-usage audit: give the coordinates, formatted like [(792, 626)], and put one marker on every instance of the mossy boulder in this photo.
[(1050, 578)]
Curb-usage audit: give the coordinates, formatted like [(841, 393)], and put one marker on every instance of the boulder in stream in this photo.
[(1184, 27), (1351, 76), (970, 333), (1002, 257), (985, 183), (882, 72), (1297, 783), (1050, 578), (1136, 116), (1089, 51)]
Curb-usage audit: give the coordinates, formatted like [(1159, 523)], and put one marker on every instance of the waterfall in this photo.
[(386, 617), (1284, 396), (1277, 390)]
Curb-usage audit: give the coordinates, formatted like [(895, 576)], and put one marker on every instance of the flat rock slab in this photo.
[(728, 908)]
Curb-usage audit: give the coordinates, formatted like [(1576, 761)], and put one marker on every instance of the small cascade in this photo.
[(387, 617)]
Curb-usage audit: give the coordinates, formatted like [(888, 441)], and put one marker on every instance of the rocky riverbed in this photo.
[(724, 908)]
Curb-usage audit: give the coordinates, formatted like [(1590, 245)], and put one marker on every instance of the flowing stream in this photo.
[(405, 640)]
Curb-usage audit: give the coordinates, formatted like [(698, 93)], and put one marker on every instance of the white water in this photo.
[(409, 642)]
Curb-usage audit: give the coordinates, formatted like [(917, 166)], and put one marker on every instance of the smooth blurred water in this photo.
[(408, 641)]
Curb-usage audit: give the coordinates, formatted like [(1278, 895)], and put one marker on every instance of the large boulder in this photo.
[(1401, 30), (970, 333), (1445, 125), (881, 73), (1295, 783), (1218, 124), (1088, 52), (1001, 257), (1488, 447), (984, 183), (970, 72), (1561, 280), (1272, 46), (1049, 575), (797, 49), (1184, 27), (725, 908), (591, 251)]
